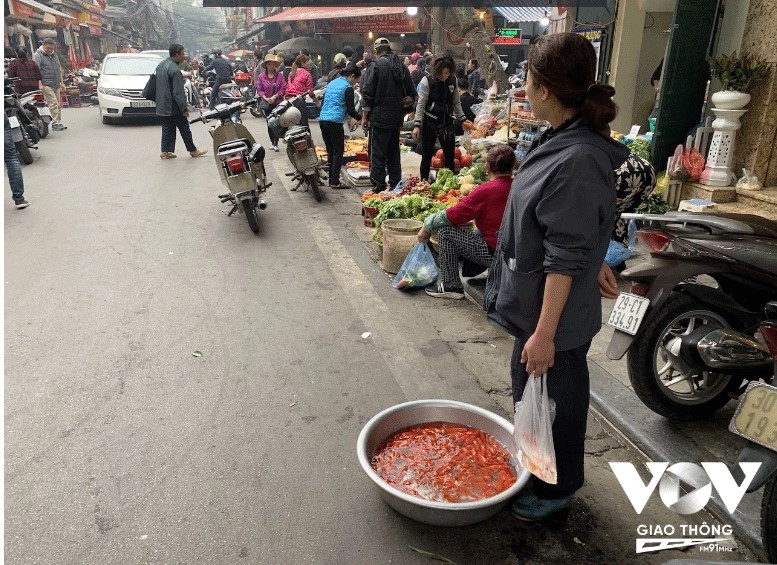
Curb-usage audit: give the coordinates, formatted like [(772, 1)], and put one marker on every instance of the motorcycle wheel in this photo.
[(43, 128), (250, 211), (313, 182), (769, 519), (24, 152), (654, 375)]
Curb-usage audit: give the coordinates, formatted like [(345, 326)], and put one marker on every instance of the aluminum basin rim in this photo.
[(361, 450)]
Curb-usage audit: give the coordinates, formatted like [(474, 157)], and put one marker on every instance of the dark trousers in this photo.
[(428, 138), (568, 385), (169, 123), (302, 106), (214, 95), (334, 139), (384, 156)]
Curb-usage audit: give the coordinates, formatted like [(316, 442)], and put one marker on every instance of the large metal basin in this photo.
[(393, 419)]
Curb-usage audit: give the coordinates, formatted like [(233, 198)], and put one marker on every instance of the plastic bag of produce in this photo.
[(677, 170), (417, 270), (617, 253), (533, 432), (693, 162), (749, 181)]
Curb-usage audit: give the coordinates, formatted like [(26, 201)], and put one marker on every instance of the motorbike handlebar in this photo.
[(224, 112)]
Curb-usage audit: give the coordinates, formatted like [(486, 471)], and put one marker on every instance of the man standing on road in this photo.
[(51, 83), (387, 95), (223, 74), (13, 168), (172, 106)]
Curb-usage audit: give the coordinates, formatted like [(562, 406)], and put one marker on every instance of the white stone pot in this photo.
[(730, 100)]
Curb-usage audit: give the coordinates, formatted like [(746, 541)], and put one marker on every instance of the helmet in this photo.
[(238, 58), (290, 117), (340, 58), (381, 42)]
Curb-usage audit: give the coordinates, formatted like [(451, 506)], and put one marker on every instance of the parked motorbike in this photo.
[(240, 161), (688, 322), (284, 120), (35, 105), (86, 82), (24, 132), (188, 88), (756, 420)]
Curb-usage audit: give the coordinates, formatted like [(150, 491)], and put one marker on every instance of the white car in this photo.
[(120, 86)]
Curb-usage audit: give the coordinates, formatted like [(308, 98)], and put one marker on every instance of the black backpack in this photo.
[(149, 91)]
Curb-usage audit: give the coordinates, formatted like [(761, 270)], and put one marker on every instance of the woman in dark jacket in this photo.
[(438, 102), (545, 280)]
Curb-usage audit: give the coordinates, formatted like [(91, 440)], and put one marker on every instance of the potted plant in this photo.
[(737, 73)]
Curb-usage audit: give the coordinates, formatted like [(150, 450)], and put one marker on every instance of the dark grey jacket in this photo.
[(50, 68), (386, 82), (170, 95), (558, 219)]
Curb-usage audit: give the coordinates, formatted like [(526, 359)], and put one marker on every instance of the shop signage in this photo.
[(594, 35), (507, 36), (95, 31), (90, 19), (385, 23), (26, 11)]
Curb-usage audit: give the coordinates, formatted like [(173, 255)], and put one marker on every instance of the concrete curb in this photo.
[(661, 440)]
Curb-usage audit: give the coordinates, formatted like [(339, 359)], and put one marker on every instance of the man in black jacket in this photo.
[(223, 74), (387, 94)]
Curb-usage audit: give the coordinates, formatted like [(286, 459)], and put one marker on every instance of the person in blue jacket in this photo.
[(547, 275), (338, 102)]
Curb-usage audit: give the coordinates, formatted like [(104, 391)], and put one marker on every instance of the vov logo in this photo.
[(673, 480)]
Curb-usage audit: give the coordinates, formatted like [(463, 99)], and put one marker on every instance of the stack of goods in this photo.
[(418, 199)]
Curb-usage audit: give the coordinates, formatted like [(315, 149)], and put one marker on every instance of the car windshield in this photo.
[(130, 66)]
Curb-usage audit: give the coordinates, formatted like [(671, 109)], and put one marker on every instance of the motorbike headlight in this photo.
[(109, 91)]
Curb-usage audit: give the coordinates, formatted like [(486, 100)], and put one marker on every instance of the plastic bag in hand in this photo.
[(533, 432), (417, 270)]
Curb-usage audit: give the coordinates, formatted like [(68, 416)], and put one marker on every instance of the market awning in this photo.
[(523, 14), (45, 9), (330, 13)]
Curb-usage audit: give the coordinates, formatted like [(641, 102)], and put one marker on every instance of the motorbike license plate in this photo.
[(142, 104), (756, 415), (44, 111), (628, 312), (13, 121)]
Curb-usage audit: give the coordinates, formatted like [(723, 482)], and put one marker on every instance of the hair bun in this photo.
[(598, 89)]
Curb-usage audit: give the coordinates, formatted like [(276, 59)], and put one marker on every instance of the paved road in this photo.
[(122, 447)]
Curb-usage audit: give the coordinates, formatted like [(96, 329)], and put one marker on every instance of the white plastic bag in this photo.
[(533, 432), (749, 181)]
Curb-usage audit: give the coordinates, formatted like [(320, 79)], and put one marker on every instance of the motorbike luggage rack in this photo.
[(232, 148), (740, 224)]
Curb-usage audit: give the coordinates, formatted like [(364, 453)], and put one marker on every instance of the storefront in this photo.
[(357, 27), (29, 21)]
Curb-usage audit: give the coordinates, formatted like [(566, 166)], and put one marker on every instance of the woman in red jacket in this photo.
[(485, 205)]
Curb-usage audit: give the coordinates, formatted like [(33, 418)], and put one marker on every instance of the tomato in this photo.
[(440, 154), (466, 160), (436, 163), (456, 164), (457, 153)]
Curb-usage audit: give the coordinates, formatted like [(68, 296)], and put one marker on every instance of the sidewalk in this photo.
[(656, 437)]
